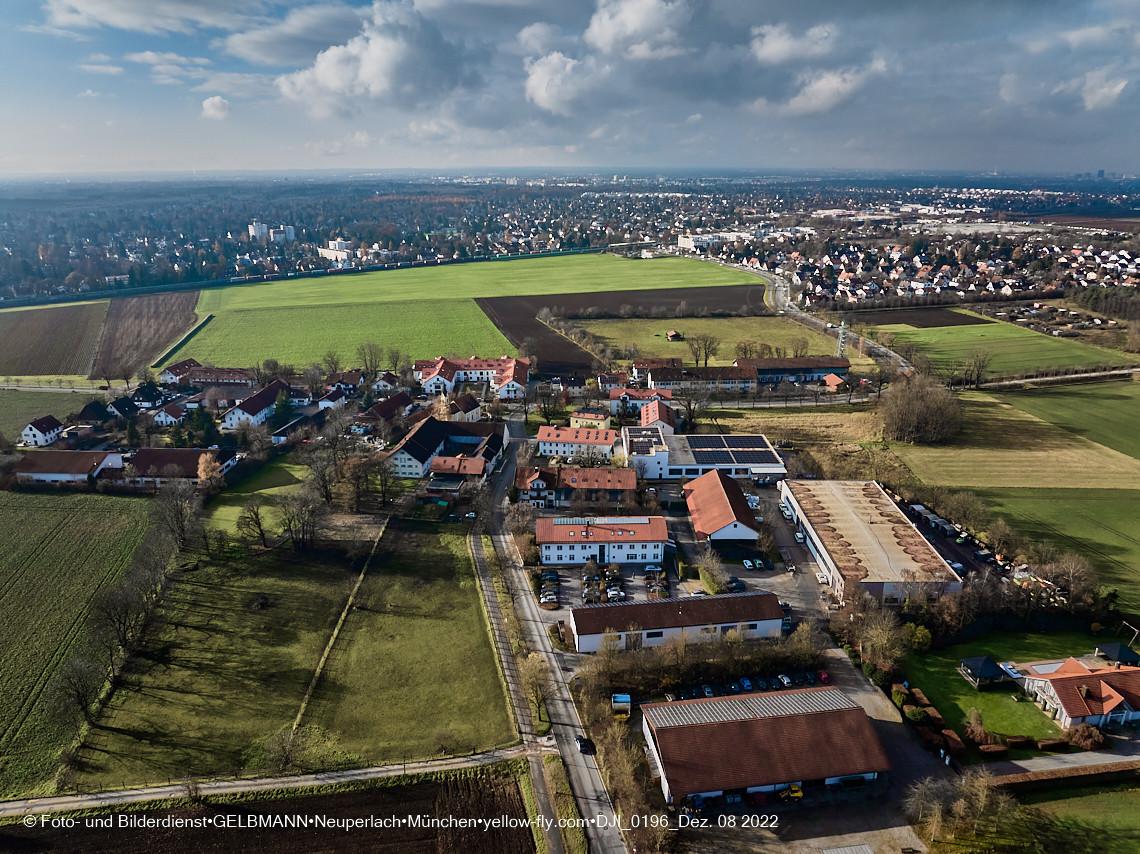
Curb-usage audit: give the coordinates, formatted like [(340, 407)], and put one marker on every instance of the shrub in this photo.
[(935, 718), (880, 678), (993, 751), (1086, 737), (868, 668), (916, 715), (976, 728), (1052, 743), (898, 697), (954, 745), (1020, 742)]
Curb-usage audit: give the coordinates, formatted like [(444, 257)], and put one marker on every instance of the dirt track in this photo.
[(474, 798)]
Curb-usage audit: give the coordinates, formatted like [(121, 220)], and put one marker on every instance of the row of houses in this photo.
[(144, 467)]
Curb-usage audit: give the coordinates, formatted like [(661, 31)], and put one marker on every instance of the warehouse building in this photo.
[(863, 543), (734, 746), (749, 456)]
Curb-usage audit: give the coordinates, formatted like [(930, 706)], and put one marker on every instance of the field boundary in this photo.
[(185, 339)]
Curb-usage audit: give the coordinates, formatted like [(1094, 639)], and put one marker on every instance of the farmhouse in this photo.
[(1075, 692), (718, 379), (734, 746), (555, 487), (756, 614), (75, 467), (591, 419), (333, 400), (388, 381), (396, 406), (160, 465), (659, 414), (124, 407), (804, 369), (170, 415), (631, 400), (568, 442), (719, 509), (863, 543), (507, 377), (256, 408), (620, 539), (466, 407), (95, 412), (737, 455), (452, 474), (645, 449), (174, 374), (42, 432), (641, 367), (431, 438), (348, 382)]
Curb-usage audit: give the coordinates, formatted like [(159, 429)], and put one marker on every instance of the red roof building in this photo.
[(620, 540), (1074, 694), (719, 509), (658, 413)]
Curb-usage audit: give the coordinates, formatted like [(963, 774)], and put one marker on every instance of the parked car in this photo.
[(735, 585), (824, 679), (775, 684), (786, 625), (786, 681), (584, 744), (799, 537), (700, 591), (821, 578), (733, 688), (748, 564), (708, 691), (745, 683), (670, 697), (798, 679), (810, 676)]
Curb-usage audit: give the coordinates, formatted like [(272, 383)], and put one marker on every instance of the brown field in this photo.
[(137, 328), (1098, 222), (919, 318), (466, 798), (56, 340), (515, 316)]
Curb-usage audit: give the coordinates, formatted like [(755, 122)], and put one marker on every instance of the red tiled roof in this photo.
[(179, 369), (388, 409), (571, 477), (764, 751), (641, 393), (458, 465), (647, 364), (1097, 692), (150, 462), (59, 462), (658, 410), (689, 612), (173, 410), (623, 531), (577, 435), (264, 399), (715, 501)]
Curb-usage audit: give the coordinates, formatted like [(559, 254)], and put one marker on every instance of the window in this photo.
[(708, 630), (560, 548), (649, 635), (750, 627)]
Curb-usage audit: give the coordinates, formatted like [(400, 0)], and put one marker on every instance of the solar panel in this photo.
[(746, 442), (720, 710), (706, 441), (712, 458), (756, 457)]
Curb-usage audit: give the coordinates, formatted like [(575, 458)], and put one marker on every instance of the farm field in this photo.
[(649, 336), (137, 328), (272, 479), (56, 553), (1014, 350), (1001, 446), (217, 673), (55, 340), (918, 318), (17, 408), (1098, 523), (417, 648), (1087, 818), (936, 674), (1106, 413), (487, 793), (804, 425)]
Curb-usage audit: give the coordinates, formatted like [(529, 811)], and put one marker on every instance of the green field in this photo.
[(1101, 819), (936, 674), (1107, 413), (218, 674), (1014, 350), (17, 408), (426, 311), (271, 479), (414, 670), (56, 553), (649, 336)]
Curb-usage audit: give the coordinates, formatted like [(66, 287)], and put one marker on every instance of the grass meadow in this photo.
[(1106, 413), (1080, 819), (56, 553), (427, 311), (649, 336), (414, 672), (270, 480), (1014, 350), (17, 408)]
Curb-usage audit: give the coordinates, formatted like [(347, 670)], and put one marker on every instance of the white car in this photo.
[(799, 537), (748, 564), (821, 578)]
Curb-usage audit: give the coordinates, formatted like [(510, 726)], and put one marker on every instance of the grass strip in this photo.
[(573, 832)]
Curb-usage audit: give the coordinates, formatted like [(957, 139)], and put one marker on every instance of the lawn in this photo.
[(1087, 818), (414, 670), (1001, 446), (56, 553), (270, 480), (936, 674), (1014, 350), (427, 311), (218, 674), (649, 336), (1106, 413), (17, 408), (1098, 523)]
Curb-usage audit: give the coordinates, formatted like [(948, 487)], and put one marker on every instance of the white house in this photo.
[(173, 374), (42, 432), (256, 408), (637, 624), (170, 415), (618, 539), (386, 383), (631, 400), (333, 400), (719, 509), (413, 456), (575, 442), (1073, 693), (507, 377)]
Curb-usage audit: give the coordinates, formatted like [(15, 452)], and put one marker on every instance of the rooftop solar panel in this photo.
[(746, 442), (705, 442), (689, 713), (756, 457)]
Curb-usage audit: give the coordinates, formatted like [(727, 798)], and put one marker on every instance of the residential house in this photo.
[(591, 419), (387, 382), (659, 414), (568, 442), (431, 438), (219, 378), (729, 380), (631, 400), (349, 382), (170, 415), (174, 374), (646, 450), (806, 369), (641, 367), (620, 540), (42, 431), (556, 486), (333, 400), (156, 466), (506, 377), (466, 407), (124, 407), (256, 409), (396, 406), (95, 412), (64, 467), (608, 382), (1078, 691), (719, 510)]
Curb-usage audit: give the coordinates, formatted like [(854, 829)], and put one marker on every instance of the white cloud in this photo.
[(824, 90), (555, 82), (98, 57), (693, 119), (216, 108), (150, 57), (235, 83), (537, 39), (642, 29), (299, 37), (149, 16), (598, 133), (102, 69), (1098, 91), (90, 93), (773, 44), (400, 57)]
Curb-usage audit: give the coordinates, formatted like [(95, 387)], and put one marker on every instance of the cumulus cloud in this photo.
[(538, 39), (555, 82), (150, 57), (299, 37), (773, 44), (150, 16), (1099, 91), (641, 29), (102, 69), (400, 57), (90, 93), (216, 108), (98, 57), (823, 91)]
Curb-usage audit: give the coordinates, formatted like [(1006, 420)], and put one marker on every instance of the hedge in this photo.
[(1081, 775), (1020, 742), (954, 745), (935, 718), (1052, 743), (919, 697), (993, 751)]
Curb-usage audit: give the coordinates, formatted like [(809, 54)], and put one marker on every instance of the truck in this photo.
[(622, 705)]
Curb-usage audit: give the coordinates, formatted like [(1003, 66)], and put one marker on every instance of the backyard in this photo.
[(270, 480)]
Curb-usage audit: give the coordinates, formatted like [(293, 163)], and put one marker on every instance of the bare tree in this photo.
[(746, 350), (549, 403), (385, 477), (919, 409), (252, 521), (395, 356), (800, 346), (359, 476), (323, 474), (175, 509), (314, 380), (301, 517), (521, 517), (534, 674), (976, 364), (694, 402), (74, 687), (332, 362), (371, 357)]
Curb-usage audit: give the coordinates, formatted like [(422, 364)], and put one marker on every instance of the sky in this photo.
[(1021, 86)]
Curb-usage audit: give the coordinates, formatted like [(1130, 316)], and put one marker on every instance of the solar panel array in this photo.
[(601, 520), (732, 450), (723, 709)]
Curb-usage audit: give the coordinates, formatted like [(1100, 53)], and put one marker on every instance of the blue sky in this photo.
[(134, 85)]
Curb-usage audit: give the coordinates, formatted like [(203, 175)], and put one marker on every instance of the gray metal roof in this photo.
[(601, 520), (724, 709), (662, 602)]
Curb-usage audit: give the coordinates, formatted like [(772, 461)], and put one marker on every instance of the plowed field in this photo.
[(137, 328), (56, 340)]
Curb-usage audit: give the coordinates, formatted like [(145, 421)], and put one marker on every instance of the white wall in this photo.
[(735, 531), (764, 629)]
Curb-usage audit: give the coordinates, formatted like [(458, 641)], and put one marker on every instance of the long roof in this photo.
[(60, 462), (426, 437), (641, 393), (689, 612), (710, 745), (577, 435), (572, 477), (796, 363), (150, 462), (264, 399), (716, 501), (616, 529)]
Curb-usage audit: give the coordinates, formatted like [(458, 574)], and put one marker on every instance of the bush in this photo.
[(868, 668), (993, 751), (976, 728), (934, 717), (916, 715), (898, 697), (1020, 742), (880, 678), (1086, 737), (954, 745), (1052, 743)]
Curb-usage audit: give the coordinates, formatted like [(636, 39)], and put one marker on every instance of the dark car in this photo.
[(798, 678), (733, 687), (735, 585), (584, 744), (775, 684), (810, 677)]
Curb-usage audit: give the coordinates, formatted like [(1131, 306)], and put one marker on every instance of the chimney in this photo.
[(1083, 691)]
